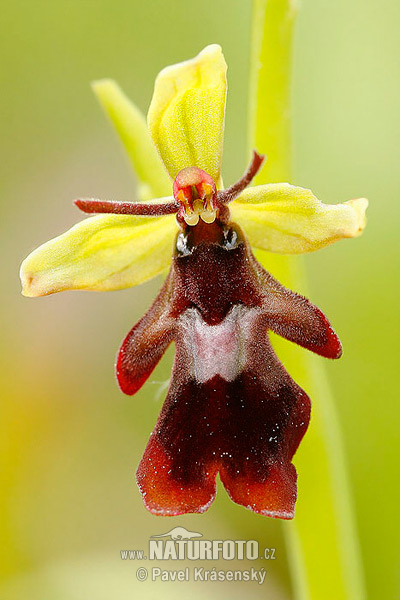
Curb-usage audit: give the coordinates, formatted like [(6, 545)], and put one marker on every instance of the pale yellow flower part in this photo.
[(186, 122), (131, 126), (286, 219), (101, 253), (187, 113)]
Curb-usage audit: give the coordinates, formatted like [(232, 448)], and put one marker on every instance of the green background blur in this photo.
[(70, 441)]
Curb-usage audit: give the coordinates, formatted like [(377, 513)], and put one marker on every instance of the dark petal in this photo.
[(231, 407), (259, 474), (237, 188), (176, 474), (145, 344), (89, 205), (216, 276), (245, 429), (275, 497), (164, 493), (295, 318)]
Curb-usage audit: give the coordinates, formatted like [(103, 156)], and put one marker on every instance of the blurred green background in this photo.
[(70, 442)]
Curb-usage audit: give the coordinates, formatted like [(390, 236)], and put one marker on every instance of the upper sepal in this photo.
[(187, 113)]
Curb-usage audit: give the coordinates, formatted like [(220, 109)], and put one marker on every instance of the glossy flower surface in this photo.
[(231, 407)]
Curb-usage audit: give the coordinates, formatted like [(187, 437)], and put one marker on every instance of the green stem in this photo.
[(321, 540)]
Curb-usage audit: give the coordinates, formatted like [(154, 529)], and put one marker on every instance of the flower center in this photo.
[(196, 193), (195, 197)]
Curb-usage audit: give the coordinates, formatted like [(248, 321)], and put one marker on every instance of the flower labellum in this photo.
[(231, 409)]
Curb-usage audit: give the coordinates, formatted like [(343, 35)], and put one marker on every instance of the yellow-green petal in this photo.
[(282, 218), (101, 253), (132, 128), (187, 113)]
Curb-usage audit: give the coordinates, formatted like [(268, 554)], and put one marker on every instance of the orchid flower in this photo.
[(231, 407)]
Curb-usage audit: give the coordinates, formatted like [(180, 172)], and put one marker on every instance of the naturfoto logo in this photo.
[(180, 544)]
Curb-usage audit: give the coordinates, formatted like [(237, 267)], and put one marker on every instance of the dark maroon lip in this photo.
[(231, 406), (231, 409)]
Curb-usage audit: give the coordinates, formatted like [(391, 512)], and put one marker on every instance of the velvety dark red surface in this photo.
[(242, 429), (246, 428)]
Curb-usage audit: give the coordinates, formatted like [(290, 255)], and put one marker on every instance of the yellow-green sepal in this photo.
[(131, 127), (101, 253), (187, 113), (282, 218)]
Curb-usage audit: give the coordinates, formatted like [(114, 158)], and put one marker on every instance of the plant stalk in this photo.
[(322, 542)]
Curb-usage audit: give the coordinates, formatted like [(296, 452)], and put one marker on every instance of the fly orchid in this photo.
[(231, 406)]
